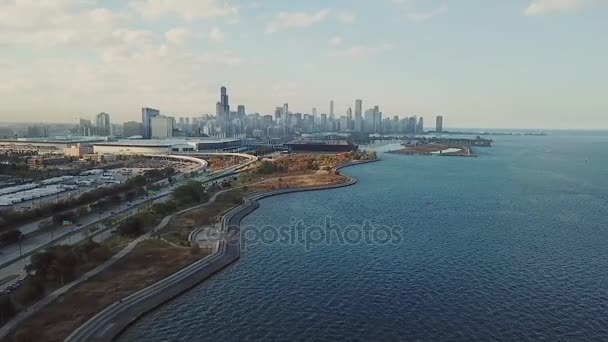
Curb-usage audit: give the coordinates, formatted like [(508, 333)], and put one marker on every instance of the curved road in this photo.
[(110, 322)]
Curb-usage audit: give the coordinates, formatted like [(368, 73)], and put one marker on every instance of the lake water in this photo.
[(512, 245)]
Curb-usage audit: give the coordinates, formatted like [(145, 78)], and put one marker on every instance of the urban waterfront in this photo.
[(507, 246)]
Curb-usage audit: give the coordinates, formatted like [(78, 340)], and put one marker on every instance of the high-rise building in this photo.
[(219, 111), (324, 123), (240, 111), (285, 110), (331, 108), (131, 129), (104, 128), (37, 131), (314, 112), (224, 101), (162, 127), (420, 127), (358, 126), (411, 125), (85, 128), (278, 114), (146, 121), (349, 118), (439, 124)]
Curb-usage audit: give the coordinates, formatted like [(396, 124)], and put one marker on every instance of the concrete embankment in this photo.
[(109, 323)]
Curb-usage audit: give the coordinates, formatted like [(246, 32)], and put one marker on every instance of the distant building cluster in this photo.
[(227, 123)]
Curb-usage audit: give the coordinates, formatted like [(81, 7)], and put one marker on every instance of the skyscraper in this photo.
[(146, 121), (240, 111), (411, 125), (103, 124), (285, 110), (331, 108), (314, 112), (420, 127), (439, 124), (349, 118), (224, 101), (358, 127)]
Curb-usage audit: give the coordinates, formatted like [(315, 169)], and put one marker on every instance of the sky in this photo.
[(480, 63)]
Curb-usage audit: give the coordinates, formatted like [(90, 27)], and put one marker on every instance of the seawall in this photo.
[(109, 323)]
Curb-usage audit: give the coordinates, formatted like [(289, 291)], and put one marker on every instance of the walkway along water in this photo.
[(109, 323)]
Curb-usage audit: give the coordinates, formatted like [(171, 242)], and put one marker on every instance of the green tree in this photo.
[(10, 237), (7, 309)]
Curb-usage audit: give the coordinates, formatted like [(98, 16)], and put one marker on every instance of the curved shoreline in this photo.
[(108, 324)]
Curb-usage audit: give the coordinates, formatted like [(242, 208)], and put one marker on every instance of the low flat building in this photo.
[(45, 145), (165, 146), (320, 146)]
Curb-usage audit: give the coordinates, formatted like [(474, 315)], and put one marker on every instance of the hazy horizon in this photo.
[(525, 64)]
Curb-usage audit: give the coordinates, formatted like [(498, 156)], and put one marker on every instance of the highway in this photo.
[(13, 258), (107, 325)]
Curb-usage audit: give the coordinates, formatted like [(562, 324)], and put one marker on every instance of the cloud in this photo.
[(216, 35), (336, 40), (420, 16), (287, 20), (361, 50), (179, 35), (347, 17), (546, 6), (61, 23), (188, 10), (413, 14)]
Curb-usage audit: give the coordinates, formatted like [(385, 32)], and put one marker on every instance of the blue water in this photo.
[(512, 245)]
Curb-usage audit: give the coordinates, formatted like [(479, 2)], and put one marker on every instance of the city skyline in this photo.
[(535, 64)]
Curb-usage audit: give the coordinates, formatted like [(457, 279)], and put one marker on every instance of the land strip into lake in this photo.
[(442, 147), (154, 260)]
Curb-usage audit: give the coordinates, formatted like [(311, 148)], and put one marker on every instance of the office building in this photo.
[(358, 125), (420, 127), (131, 129), (439, 124), (331, 108), (103, 124), (224, 102), (85, 128), (146, 121), (162, 127), (37, 131)]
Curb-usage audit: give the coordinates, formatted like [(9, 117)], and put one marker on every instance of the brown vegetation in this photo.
[(150, 262)]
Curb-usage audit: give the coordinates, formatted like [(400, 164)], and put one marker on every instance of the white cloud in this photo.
[(546, 6), (186, 9), (73, 23), (347, 17), (361, 50), (287, 20), (414, 14), (336, 40), (216, 35), (421, 16), (179, 35)]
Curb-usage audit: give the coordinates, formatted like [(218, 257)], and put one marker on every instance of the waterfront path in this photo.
[(109, 323), (7, 328)]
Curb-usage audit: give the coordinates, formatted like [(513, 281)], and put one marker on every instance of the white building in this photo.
[(162, 127)]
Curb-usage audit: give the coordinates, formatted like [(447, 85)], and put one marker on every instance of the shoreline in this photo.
[(109, 324)]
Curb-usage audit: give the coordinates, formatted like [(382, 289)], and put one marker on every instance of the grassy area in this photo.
[(150, 262)]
